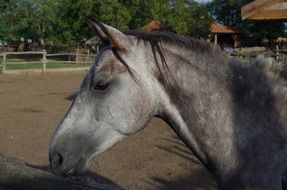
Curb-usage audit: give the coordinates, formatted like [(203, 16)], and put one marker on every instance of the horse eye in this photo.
[(101, 86)]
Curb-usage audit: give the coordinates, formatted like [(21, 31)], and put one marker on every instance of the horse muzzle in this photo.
[(62, 165)]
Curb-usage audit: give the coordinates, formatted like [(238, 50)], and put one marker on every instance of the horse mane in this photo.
[(156, 39), (266, 66), (156, 36)]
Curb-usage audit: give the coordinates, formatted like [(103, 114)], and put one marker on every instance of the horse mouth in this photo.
[(71, 169), (79, 168)]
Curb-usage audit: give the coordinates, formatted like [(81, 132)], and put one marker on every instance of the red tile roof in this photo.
[(154, 25), (217, 28)]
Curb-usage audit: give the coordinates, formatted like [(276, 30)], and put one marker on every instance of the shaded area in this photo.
[(259, 135), (16, 175), (180, 150), (24, 57), (198, 178)]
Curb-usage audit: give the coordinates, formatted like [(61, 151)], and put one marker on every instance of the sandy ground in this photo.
[(31, 106)]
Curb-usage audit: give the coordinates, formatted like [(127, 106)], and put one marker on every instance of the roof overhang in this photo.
[(217, 28), (265, 10)]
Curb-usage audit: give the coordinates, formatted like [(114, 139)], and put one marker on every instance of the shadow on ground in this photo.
[(195, 181), (198, 179)]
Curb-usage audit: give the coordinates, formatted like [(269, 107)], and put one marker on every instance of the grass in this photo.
[(52, 65), (21, 62)]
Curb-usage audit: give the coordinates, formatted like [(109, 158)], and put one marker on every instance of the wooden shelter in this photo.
[(225, 36), (265, 10)]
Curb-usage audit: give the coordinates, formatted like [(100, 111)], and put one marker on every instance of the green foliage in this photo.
[(196, 21), (61, 22), (8, 20), (228, 12), (36, 18)]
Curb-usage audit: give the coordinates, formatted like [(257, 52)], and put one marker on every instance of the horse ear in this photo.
[(118, 40)]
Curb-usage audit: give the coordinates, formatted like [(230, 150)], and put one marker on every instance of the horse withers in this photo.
[(230, 114)]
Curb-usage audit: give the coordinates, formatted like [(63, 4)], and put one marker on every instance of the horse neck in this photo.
[(194, 107)]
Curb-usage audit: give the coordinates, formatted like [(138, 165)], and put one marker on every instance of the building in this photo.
[(224, 36), (265, 10)]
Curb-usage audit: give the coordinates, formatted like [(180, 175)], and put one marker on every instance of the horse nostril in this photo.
[(60, 158), (56, 161)]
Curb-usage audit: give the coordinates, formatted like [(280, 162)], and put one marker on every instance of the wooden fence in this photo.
[(79, 58), (244, 53), (249, 54)]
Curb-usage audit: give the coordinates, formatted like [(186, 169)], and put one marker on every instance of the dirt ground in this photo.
[(31, 106)]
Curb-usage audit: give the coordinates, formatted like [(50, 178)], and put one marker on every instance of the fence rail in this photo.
[(248, 54), (77, 57), (46, 58)]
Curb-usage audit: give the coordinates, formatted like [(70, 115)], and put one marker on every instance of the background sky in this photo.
[(203, 1)]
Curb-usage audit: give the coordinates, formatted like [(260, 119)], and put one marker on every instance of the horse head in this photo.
[(116, 99)]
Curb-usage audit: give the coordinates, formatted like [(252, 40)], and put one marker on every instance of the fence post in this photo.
[(77, 56), (4, 63), (44, 61), (277, 53), (88, 55)]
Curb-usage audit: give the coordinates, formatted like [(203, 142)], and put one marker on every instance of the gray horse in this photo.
[(231, 115)]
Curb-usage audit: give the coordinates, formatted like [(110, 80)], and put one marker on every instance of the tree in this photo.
[(180, 16), (71, 25), (62, 22), (36, 19), (191, 18), (8, 20)]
